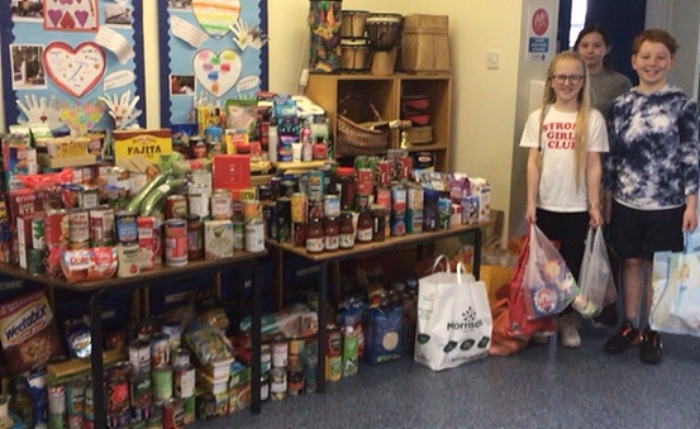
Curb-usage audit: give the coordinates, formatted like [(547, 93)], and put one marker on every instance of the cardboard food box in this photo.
[(424, 43), (150, 144)]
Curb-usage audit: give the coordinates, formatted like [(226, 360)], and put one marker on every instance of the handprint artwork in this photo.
[(244, 36), (38, 111), (122, 109)]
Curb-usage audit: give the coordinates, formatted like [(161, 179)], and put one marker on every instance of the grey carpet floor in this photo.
[(541, 387)]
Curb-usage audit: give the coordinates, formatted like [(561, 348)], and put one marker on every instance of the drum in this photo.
[(353, 23), (384, 30), (354, 54)]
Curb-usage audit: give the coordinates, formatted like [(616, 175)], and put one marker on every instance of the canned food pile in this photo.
[(335, 207)]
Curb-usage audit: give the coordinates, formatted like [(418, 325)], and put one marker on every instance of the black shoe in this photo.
[(625, 338), (650, 349)]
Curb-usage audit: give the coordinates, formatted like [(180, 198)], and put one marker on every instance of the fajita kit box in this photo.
[(148, 143), (231, 171), (218, 239), (482, 189)]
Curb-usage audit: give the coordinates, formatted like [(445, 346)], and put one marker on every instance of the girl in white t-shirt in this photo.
[(565, 138)]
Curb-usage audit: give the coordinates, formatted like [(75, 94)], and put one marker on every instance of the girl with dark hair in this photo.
[(593, 44)]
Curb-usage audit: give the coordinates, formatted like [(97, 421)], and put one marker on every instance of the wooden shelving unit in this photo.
[(384, 92)]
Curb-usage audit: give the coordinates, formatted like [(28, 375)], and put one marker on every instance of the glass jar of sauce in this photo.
[(364, 226), (346, 231), (315, 236), (332, 234)]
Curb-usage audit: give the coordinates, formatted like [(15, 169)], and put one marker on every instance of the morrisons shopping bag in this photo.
[(596, 278), (454, 319), (676, 299)]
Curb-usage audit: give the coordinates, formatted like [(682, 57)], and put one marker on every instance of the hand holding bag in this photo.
[(596, 278), (454, 319)]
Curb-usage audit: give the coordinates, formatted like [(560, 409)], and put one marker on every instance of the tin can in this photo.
[(150, 238), (79, 227), (188, 410), (174, 332), (117, 396), (221, 204), (184, 378), (75, 404), (101, 227), (160, 349), (137, 181), (57, 400), (173, 414), (36, 262), (384, 172), (254, 237), (126, 226), (205, 406), (140, 355), (280, 352), (56, 228), (180, 357), (334, 368), (120, 420), (295, 377), (265, 358), (162, 384), (252, 211), (278, 384), (140, 395), (284, 221), (175, 207), (198, 198), (195, 237), (89, 197), (299, 207), (89, 407), (238, 227), (264, 387), (270, 216), (265, 193), (175, 243), (128, 256)]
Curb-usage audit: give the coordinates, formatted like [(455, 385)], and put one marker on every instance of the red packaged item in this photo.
[(89, 264)]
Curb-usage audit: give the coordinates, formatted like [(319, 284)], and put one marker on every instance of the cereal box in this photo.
[(482, 189)]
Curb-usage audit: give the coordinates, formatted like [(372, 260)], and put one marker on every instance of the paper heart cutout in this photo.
[(81, 16), (81, 118), (217, 73), (55, 16), (75, 70), (216, 16), (67, 21)]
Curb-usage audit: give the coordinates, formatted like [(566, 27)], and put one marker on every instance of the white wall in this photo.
[(489, 106)]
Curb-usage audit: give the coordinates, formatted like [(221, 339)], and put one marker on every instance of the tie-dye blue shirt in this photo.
[(653, 158)]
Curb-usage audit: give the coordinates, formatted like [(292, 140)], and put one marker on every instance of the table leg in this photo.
[(322, 307), (98, 393), (477, 253), (255, 338)]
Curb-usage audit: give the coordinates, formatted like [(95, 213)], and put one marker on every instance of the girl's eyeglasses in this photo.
[(562, 78)]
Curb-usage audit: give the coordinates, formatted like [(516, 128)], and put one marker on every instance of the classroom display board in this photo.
[(210, 51), (67, 62)]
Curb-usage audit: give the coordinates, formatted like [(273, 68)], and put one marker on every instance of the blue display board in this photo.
[(62, 58), (210, 51)]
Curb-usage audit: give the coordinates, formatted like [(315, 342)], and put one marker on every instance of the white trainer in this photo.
[(568, 334)]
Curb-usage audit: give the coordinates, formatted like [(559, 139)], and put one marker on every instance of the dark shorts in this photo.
[(569, 230), (640, 233)]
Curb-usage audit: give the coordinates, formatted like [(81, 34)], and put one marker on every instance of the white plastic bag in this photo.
[(548, 285), (454, 319), (596, 278)]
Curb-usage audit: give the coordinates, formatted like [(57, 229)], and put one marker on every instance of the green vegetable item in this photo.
[(138, 199), (172, 186)]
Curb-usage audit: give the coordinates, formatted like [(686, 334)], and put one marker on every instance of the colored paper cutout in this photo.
[(71, 15), (74, 70), (216, 16), (217, 73)]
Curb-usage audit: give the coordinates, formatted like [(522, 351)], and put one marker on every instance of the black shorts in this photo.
[(640, 233)]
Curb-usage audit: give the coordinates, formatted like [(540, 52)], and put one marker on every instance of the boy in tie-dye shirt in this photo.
[(651, 181)]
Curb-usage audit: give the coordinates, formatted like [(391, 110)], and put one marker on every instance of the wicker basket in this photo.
[(356, 138)]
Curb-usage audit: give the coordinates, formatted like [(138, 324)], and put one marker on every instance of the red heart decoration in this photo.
[(67, 21), (75, 70)]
